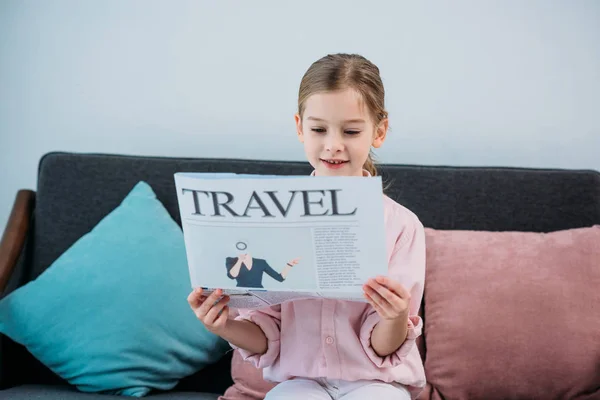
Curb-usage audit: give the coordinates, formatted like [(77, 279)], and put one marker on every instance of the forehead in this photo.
[(336, 106)]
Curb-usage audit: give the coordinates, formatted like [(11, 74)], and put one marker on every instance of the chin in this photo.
[(337, 172)]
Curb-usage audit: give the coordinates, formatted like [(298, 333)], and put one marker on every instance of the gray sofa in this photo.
[(75, 191)]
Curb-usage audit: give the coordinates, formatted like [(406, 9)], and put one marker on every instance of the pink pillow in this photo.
[(512, 315), (248, 382)]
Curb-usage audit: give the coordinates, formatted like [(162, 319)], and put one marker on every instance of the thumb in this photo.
[(194, 297)]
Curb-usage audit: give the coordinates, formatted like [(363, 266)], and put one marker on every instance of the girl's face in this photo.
[(338, 132)]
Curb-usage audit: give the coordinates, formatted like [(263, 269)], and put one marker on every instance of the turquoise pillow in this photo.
[(111, 314)]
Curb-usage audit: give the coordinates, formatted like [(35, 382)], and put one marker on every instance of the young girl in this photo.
[(334, 349)]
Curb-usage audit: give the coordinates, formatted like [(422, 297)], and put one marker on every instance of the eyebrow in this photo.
[(346, 122)]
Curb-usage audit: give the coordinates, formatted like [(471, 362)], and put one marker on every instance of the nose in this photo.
[(334, 143)]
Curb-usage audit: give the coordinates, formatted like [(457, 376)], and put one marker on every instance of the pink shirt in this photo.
[(332, 338)]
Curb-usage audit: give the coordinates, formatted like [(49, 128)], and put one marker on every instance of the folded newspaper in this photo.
[(268, 239)]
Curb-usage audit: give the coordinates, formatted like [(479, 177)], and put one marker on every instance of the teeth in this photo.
[(334, 162)]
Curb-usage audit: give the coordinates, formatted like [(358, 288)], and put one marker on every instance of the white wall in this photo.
[(512, 83)]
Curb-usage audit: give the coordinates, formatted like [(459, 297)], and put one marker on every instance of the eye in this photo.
[(352, 132), (318, 130)]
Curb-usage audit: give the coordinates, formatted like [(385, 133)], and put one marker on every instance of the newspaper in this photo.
[(267, 239)]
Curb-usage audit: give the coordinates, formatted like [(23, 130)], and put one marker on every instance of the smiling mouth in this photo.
[(334, 162)]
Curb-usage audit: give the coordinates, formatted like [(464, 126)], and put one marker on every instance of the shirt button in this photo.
[(329, 340)]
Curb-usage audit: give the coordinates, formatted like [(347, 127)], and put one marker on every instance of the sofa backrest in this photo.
[(75, 191)]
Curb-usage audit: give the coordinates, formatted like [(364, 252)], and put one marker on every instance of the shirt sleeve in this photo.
[(229, 263), (269, 320), (407, 266), (272, 273)]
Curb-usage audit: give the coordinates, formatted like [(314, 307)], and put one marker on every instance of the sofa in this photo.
[(75, 191)]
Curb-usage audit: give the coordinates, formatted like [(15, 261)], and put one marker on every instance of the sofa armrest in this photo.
[(15, 234)]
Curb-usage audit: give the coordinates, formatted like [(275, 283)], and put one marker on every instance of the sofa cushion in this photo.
[(513, 315), (53, 392), (110, 315)]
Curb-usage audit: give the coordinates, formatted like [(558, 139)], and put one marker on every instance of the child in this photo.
[(333, 349)]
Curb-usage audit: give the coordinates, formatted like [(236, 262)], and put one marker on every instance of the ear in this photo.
[(299, 127), (380, 133)]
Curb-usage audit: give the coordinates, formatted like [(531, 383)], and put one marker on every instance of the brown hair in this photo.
[(343, 71)]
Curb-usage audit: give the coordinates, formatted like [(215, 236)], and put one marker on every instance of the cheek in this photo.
[(310, 144), (362, 146), (311, 139)]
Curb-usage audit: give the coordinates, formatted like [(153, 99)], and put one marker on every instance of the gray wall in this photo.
[(512, 83)]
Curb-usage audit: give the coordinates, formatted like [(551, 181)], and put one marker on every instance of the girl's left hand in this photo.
[(388, 297)]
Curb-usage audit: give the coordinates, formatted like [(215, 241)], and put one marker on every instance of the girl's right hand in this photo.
[(210, 310)]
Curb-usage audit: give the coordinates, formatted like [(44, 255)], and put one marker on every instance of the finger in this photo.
[(396, 302), (382, 290), (216, 308), (377, 292), (213, 313), (394, 286), (376, 296), (194, 297), (209, 302), (376, 306), (222, 319)]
